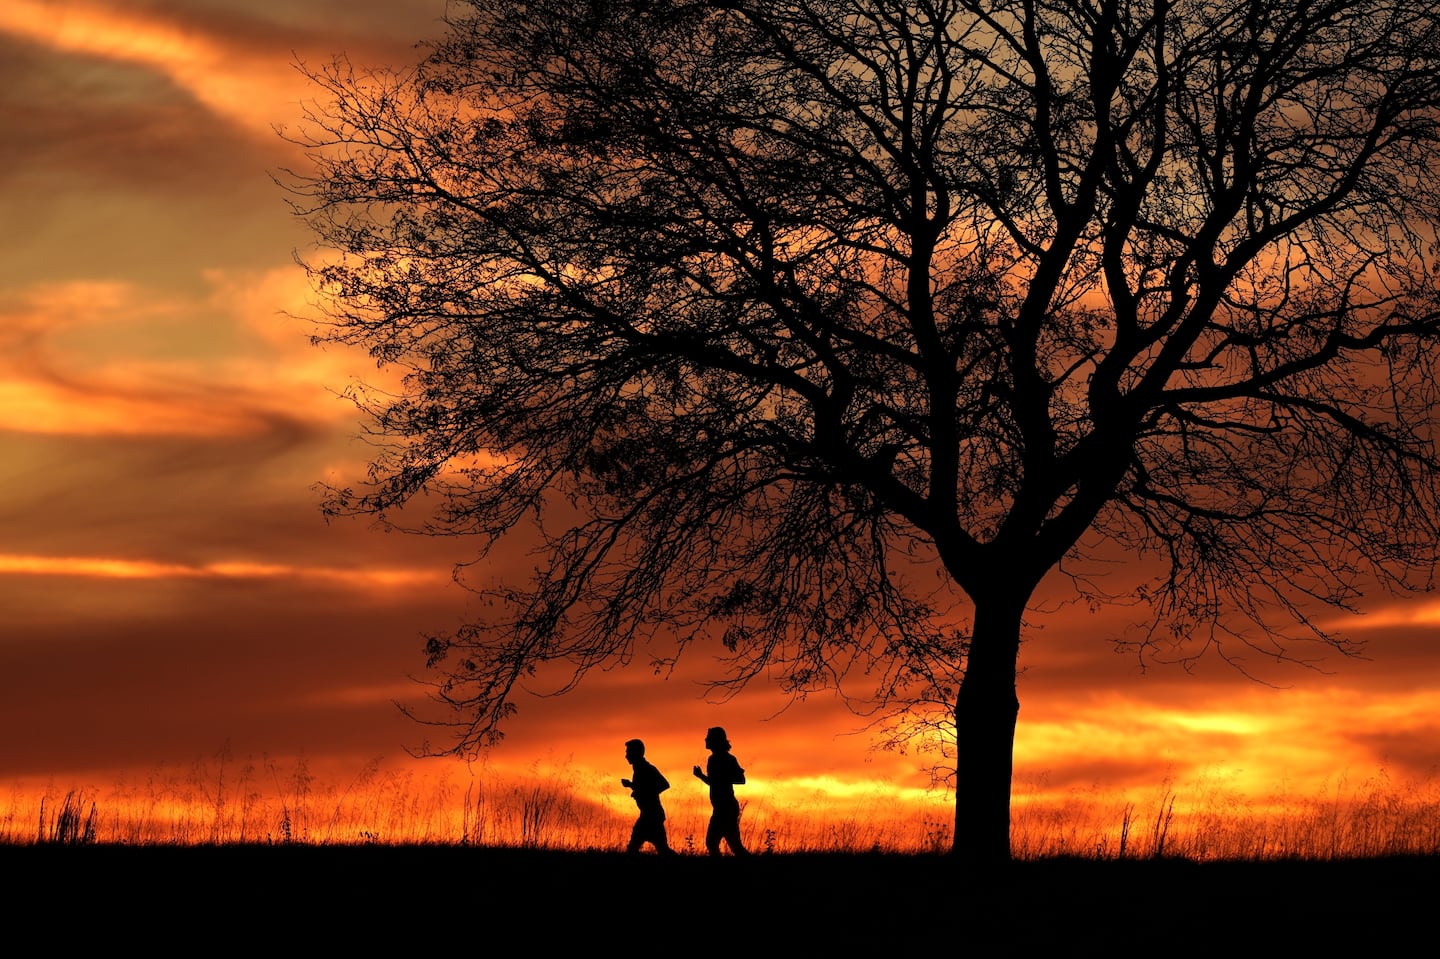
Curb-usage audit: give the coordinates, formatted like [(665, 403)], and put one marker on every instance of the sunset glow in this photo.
[(174, 594), (377, 578)]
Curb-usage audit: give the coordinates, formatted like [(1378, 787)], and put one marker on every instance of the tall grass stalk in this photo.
[(71, 824), (564, 808)]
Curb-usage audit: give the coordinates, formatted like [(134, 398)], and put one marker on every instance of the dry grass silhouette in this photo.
[(557, 808)]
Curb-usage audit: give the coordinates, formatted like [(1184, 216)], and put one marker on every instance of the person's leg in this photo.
[(714, 833), (732, 837), (661, 840), (637, 835)]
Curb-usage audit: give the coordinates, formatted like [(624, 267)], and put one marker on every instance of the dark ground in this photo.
[(432, 900)]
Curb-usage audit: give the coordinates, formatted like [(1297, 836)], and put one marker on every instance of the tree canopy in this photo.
[(822, 331)]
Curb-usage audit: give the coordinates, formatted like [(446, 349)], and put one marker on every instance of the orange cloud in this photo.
[(1260, 740), (251, 90), (90, 358), (1403, 614), (114, 568), (69, 408), (362, 695)]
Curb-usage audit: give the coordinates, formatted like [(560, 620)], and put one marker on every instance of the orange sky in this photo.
[(168, 585)]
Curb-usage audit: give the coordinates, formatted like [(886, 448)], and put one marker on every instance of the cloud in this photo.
[(111, 358), (128, 672), (248, 86), (82, 567), (238, 62), (1420, 613)]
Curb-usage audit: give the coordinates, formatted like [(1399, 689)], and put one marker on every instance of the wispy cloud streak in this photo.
[(119, 568)]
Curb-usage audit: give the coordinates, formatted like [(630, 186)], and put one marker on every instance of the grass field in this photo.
[(560, 809), (179, 860), (424, 899)]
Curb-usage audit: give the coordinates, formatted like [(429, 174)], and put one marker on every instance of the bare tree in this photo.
[(816, 333)]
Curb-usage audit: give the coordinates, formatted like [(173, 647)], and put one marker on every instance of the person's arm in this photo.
[(700, 775)]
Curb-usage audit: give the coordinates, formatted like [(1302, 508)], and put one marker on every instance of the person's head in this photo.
[(715, 738), (634, 749)]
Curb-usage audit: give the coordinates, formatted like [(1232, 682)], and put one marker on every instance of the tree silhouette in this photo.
[(817, 333)]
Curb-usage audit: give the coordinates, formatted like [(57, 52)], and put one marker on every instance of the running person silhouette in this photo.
[(645, 787), (722, 774)]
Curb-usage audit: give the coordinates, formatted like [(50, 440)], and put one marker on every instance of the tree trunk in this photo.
[(986, 708)]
